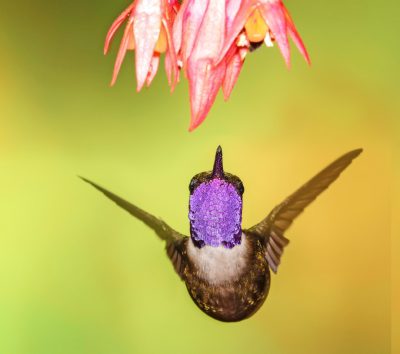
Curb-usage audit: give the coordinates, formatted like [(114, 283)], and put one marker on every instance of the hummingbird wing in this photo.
[(281, 217), (174, 240)]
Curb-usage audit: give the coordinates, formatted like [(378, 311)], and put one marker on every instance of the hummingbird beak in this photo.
[(218, 169)]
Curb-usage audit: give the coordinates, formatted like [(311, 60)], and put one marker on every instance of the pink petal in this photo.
[(204, 83), (177, 27), (116, 24), (212, 31), (233, 68), (126, 39), (274, 16), (296, 37), (192, 20), (168, 68), (204, 78), (153, 69), (236, 26), (146, 30), (232, 9), (171, 66)]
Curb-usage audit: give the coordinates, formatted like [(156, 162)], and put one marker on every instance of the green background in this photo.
[(78, 275)]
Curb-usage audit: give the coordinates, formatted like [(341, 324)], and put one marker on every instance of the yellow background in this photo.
[(78, 275)]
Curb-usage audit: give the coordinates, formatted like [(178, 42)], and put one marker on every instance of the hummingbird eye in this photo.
[(241, 188), (192, 185)]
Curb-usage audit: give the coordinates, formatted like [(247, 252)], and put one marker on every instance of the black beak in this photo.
[(218, 170)]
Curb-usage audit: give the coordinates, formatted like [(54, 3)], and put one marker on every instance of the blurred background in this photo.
[(79, 275)]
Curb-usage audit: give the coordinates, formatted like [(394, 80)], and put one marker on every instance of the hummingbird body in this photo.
[(227, 284), (226, 268), (226, 272)]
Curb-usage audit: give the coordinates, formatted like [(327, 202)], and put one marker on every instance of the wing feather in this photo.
[(174, 240), (281, 217)]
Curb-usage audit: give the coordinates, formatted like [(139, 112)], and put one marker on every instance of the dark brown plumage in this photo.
[(232, 300)]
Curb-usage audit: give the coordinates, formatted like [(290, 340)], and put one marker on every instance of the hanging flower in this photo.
[(264, 21), (207, 39), (237, 52), (148, 32), (199, 33)]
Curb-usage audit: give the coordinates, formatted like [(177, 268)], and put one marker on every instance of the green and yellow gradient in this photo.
[(80, 276)]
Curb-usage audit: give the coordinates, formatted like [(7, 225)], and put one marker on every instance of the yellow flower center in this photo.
[(255, 27), (162, 43)]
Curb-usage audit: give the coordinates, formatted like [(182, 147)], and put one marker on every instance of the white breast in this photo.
[(219, 264)]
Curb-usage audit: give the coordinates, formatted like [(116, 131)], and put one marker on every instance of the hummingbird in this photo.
[(225, 267)]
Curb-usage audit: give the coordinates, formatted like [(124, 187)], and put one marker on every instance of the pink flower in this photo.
[(207, 39), (148, 31), (264, 21), (199, 33), (237, 52)]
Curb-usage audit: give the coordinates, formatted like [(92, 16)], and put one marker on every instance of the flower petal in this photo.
[(168, 68), (233, 68), (192, 21), (123, 47), (171, 61), (232, 9), (274, 16), (236, 26), (153, 68), (212, 32), (146, 30), (177, 32), (296, 37), (116, 24), (205, 80)]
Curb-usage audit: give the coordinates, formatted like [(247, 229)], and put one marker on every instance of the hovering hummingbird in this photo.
[(226, 268)]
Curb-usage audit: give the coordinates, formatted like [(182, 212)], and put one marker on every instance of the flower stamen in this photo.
[(242, 41), (269, 39)]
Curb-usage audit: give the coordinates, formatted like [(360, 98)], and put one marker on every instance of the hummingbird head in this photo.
[(215, 207)]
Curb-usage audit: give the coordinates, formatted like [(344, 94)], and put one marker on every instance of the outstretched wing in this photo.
[(272, 228), (174, 240)]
